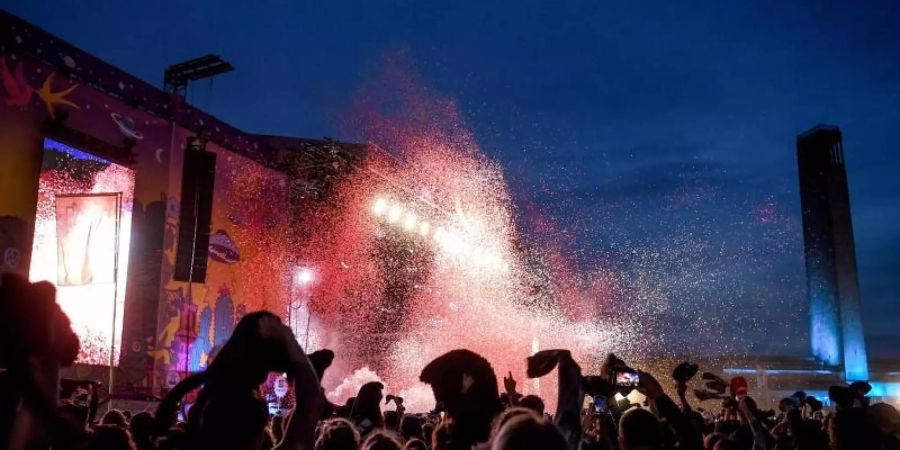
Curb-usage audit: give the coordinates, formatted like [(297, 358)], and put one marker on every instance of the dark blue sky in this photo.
[(660, 137)]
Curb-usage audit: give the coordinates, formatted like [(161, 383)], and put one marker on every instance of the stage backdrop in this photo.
[(82, 233)]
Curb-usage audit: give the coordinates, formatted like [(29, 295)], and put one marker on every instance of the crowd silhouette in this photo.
[(229, 411)]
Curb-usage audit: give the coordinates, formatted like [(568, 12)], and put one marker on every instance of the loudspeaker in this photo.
[(197, 184)]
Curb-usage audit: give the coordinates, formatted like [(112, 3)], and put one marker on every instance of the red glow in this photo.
[(465, 286)]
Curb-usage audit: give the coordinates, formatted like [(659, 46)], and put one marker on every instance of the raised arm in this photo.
[(688, 437), (299, 433), (167, 411)]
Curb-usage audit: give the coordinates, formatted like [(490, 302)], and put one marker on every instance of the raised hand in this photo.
[(509, 383), (681, 388), (272, 330), (649, 386)]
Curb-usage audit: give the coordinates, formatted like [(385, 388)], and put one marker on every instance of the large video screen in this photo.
[(81, 241)]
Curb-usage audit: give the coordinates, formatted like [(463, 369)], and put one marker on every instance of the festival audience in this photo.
[(528, 432), (428, 431), (411, 428), (392, 421), (115, 417), (110, 437), (639, 429), (415, 444), (228, 411), (141, 428), (532, 402), (381, 440), (366, 410), (337, 434), (442, 437)]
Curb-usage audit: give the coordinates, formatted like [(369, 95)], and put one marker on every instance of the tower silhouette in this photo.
[(836, 331)]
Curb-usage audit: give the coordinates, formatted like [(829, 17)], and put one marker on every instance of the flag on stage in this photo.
[(87, 233)]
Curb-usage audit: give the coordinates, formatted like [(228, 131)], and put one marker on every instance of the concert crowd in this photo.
[(473, 408)]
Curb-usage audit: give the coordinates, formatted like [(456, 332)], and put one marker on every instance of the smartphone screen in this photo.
[(600, 404), (627, 378)]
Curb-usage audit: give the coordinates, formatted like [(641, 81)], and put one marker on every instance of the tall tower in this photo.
[(836, 331)]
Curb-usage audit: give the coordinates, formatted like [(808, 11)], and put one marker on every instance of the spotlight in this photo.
[(449, 241), (410, 222), (380, 206), (304, 275), (394, 213)]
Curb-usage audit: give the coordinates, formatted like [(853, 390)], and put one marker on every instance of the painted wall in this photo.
[(248, 268), (83, 118), (51, 89)]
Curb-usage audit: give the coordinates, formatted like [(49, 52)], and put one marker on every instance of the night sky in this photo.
[(660, 139)]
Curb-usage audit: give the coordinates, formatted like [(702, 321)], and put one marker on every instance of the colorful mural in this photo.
[(248, 267), (49, 88), (18, 90), (13, 239)]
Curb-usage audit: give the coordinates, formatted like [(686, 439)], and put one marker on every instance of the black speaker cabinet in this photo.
[(197, 185)]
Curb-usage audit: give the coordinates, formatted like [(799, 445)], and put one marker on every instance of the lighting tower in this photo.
[(177, 76)]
